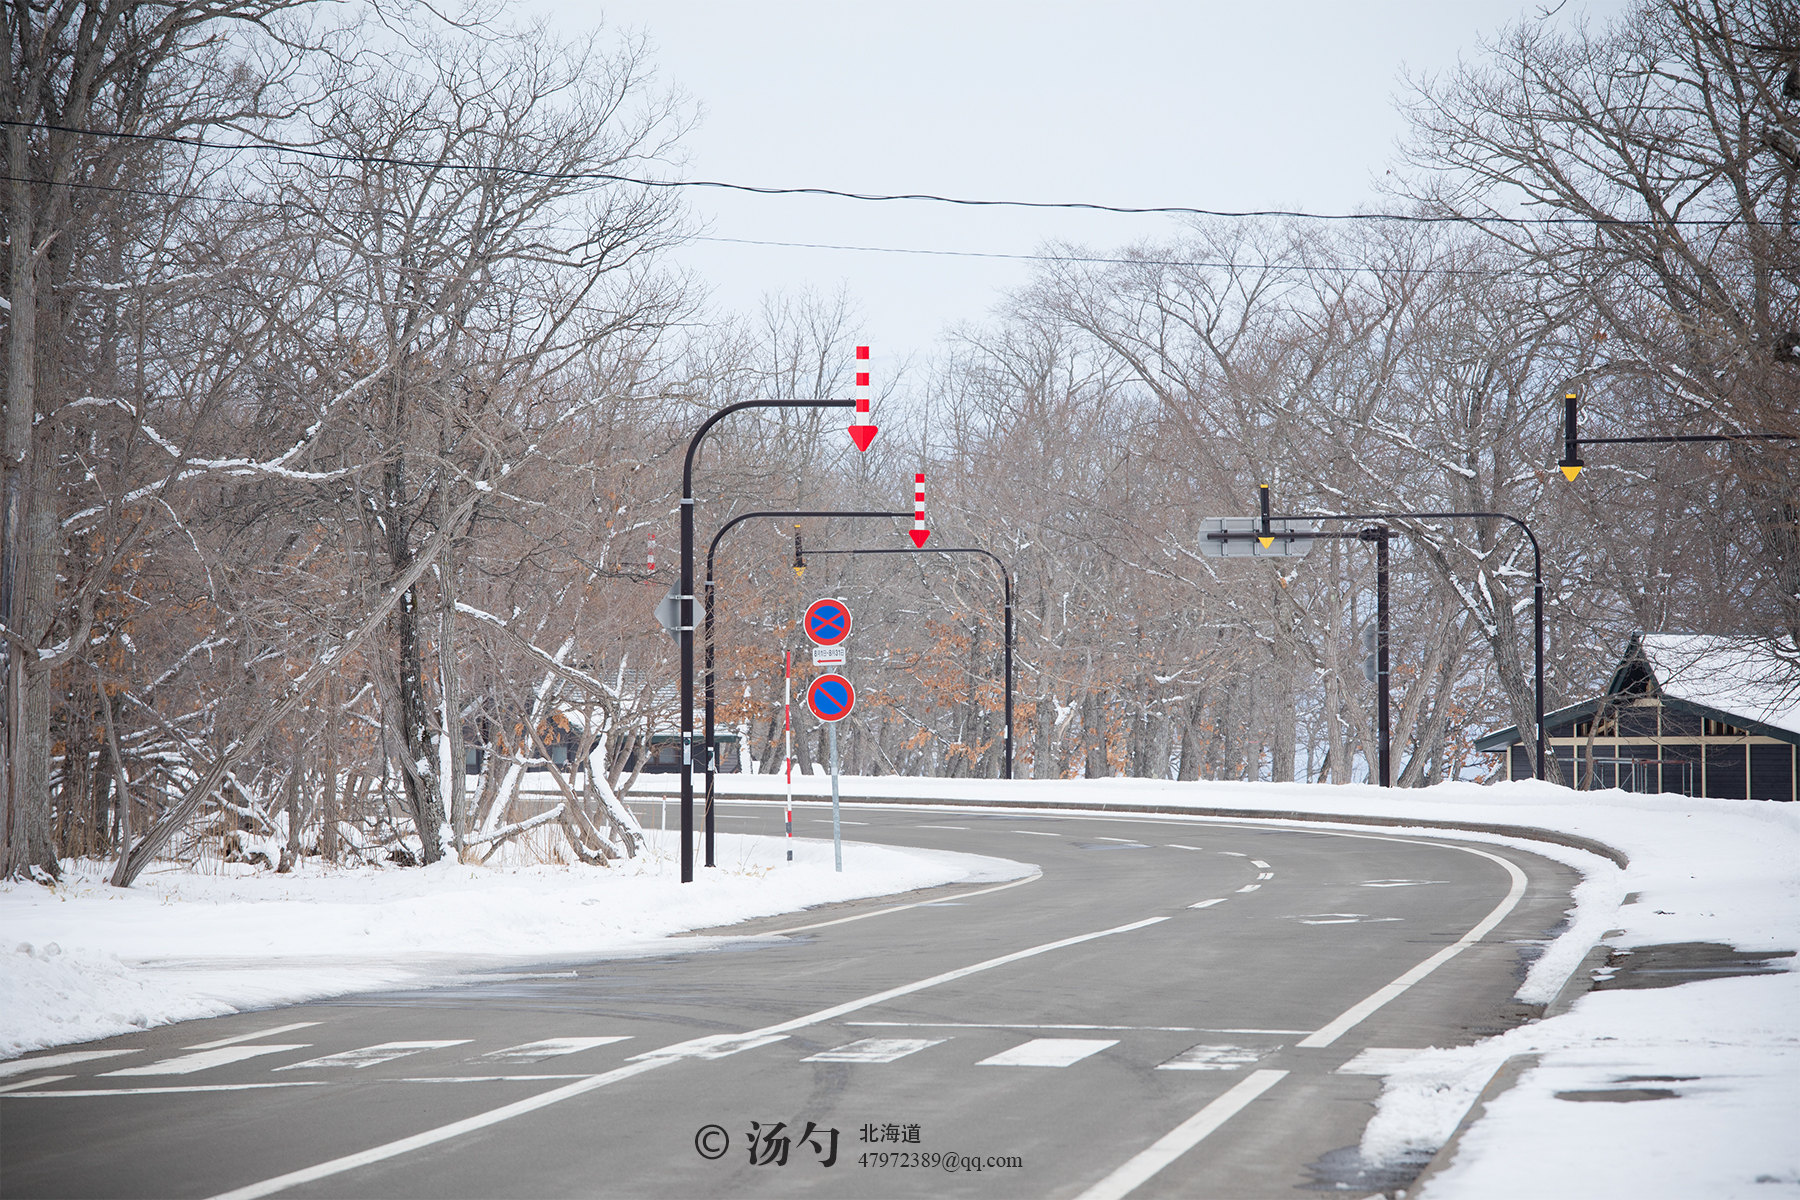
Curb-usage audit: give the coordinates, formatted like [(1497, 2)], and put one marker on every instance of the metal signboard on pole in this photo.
[(827, 621), (1269, 542)]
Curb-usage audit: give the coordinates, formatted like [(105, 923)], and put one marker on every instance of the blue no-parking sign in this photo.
[(831, 697)]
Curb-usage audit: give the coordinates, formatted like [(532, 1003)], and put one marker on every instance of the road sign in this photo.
[(668, 612), (828, 656), (827, 622), (830, 697), (1242, 546)]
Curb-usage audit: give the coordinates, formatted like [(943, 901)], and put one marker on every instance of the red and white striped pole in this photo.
[(787, 736), (862, 428), (918, 531), (652, 564)]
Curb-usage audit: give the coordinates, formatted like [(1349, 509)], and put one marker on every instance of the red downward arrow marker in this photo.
[(918, 536), (862, 435)]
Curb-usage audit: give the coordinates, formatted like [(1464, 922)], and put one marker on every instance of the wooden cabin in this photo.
[(1695, 714)]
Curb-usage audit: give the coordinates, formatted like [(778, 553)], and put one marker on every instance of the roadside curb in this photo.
[(1501, 1082), (1530, 833)]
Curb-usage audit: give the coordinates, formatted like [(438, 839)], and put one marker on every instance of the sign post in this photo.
[(831, 698), (787, 737)]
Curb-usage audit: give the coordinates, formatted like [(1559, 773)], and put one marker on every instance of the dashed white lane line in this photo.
[(964, 828), (1208, 903), (16, 1084), (532, 1052), (1036, 833), (580, 1087), (251, 1037), (1249, 887), (205, 1060), (1124, 1028), (1234, 854), (876, 1050), (1129, 841), (1048, 1052), (1257, 862), (48, 1062), (1266, 875), (1184, 1137), (1216, 1058), (368, 1056), (1000, 887), (168, 1091), (1354, 1015), (1178, 846)]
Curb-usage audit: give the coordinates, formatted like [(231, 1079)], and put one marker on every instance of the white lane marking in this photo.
[(35, 1081), (1036, 833), (713, 1046), (1385, 883), (1234, 854), (1215, 1058), (531, 1052), (165, 1091), (1176, 846), (1128, 841), (20, 1066), (1249, 887), (1378, 1060), (897, 908), (1267, 875), (961, 827), (1257, 862), (1048, 1052), (875, 1050), (1344, 919), (1184, 1137), (205, 1060), (1208, 903), (368, 1056), (481, 1078), (1126, 1028), (251, 1037), (1352, 1016), (506, 1112)]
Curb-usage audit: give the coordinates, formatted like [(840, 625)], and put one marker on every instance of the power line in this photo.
[(260, 144), (1098, 260)]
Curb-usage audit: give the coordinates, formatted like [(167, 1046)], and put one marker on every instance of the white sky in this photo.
[(1214, 105)]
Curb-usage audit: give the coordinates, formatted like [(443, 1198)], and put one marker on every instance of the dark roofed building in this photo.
[(1697, 714)]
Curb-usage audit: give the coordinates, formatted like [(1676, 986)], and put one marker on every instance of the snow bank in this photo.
[(85, 960)]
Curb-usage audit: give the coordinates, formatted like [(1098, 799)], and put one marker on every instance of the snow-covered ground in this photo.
[(1716, 871), (87, 960)]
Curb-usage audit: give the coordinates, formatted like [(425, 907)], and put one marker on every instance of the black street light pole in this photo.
[(1537, 583), (708, 742), (1572, 463), (685, 610), (1537, 594), (1006, 584)]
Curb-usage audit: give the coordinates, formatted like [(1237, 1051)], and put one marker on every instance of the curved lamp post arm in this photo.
[(685, 607), (708, 742), (1006, 584)]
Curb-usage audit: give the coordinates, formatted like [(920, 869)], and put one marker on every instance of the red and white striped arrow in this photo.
[(918, 531), (862, 429)]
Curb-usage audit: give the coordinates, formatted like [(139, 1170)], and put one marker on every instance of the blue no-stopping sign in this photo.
[(827, 622)]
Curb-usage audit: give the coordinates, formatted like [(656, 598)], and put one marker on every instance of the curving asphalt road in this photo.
[(1174, 1007)]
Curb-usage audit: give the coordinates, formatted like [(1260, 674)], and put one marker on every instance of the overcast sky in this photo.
[(1214, 105)]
